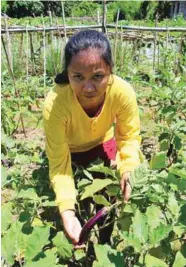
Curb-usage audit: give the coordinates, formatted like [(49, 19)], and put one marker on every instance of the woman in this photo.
[(79, 114)]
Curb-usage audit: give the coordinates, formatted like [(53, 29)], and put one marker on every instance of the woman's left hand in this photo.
[(126, 186)]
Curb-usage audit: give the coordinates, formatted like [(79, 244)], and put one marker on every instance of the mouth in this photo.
[(90, 95)]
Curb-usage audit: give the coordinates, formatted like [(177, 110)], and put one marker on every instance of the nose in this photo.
[(88, 86)]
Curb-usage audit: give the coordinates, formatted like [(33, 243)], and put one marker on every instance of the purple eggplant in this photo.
[(90, 224)]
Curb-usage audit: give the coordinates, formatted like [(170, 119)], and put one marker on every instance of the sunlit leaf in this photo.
[(96, 186)]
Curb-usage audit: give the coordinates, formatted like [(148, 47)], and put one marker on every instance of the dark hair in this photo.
[(81, 41)]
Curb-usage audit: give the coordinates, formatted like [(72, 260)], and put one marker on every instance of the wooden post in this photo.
[(64, 23), (21, 47), (51, 44), (14, 86), (44, 54), (115, 40), (9, 47), (104, 17), (32, 52), (155, 35), (27, 60), (98, 17)]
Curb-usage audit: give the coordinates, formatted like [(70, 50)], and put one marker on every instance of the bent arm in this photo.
[(127, 134), (58, 153)]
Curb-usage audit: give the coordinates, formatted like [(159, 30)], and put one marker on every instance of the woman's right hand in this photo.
[(72, 227)]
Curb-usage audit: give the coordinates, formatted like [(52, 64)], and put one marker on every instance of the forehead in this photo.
[(89, 59)]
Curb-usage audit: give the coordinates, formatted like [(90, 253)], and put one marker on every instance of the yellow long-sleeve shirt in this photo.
[(69, 129)]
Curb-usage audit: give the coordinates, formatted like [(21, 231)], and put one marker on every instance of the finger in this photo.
[(127, 192), (79, 246), (122, 185)]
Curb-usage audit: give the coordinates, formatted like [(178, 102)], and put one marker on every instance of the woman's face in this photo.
[(88, 75)]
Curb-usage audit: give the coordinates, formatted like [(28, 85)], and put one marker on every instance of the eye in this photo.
[(98, 77), (78, 77)]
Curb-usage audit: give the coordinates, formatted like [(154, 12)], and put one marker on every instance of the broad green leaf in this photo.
[(36, 241), (96, 186), (179, 170), (6, 216), (113, 190), (164, 145), (29, 193), (128, 208), (139, 176), (151, 261), (12, 242), (101, 200), (83, 183), (178, 183), (79, 254), (64, 248), (88, 174), (48, 259), (132, 241), (105, 255), (158, 161), (173, 205), (102, 169), (154, 216), (124, 222), (160, 233), (140, 226), (179, 261), (179, 230), (177, 142)]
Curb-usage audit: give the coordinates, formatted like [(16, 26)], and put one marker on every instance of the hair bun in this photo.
[(61, 78)]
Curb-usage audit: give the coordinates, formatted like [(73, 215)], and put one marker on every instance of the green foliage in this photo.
[(84, 8), (25, 8), (128, 10), (4, 6)]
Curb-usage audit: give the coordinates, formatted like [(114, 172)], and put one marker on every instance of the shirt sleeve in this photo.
[(60, 170), (127, 133)]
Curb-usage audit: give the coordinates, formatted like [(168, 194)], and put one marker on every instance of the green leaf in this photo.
[(153, 221), (164, 145), (102, 169), (177, 142), (139, 176), (140, 226), (6, 216), (64, 248), (132, 241), (3, 176), (151, 261), (179, 170), (88, 174), (36, 241), (179, 230), (101, 200), (173, 205), (29, 193), (158, 161), (79, 254), (96, 186), (160, 233), (48, 259), (179, 261), (113, 190), (83, 183), (105, 255), (12, 242)]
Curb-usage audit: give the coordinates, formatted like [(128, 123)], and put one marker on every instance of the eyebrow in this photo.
[(98, 71)]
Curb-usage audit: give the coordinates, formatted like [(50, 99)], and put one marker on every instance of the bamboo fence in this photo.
[(122, 35)]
